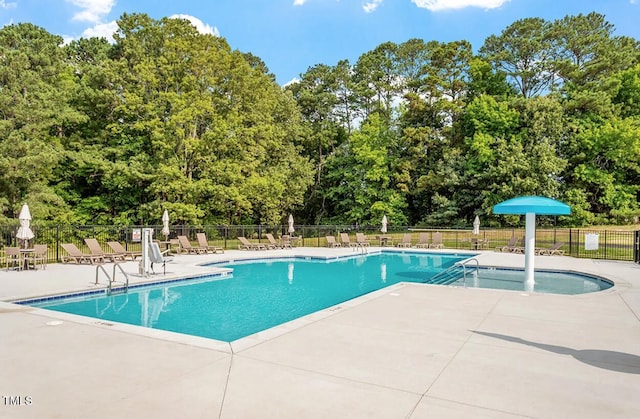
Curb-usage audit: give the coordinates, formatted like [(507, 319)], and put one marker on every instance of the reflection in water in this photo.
[(111, 303), (383, 272), (474, 275), (437, 261), (150, 308), (290, 272)]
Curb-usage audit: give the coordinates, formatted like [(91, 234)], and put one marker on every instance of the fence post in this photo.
[(571, 242), (636, 247), (57, 242)]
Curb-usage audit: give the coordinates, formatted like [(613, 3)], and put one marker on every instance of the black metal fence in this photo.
[(621, 245)]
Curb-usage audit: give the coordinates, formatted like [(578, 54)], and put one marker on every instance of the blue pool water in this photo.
[(264, 293), (258, 295), (545, 282)]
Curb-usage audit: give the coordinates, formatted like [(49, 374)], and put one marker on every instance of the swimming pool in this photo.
[(267, 292), (552, 282), (259, 295)]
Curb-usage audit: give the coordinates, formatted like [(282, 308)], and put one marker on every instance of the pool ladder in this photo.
[(111, 279), (448, 276), (464, 267)]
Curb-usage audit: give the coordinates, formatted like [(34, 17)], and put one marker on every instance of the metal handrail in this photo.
[(126, 284), (100, 267), (111, 279), (463, 263), (444, 273)]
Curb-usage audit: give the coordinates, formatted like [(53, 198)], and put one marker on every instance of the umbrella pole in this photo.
[(530, 244)]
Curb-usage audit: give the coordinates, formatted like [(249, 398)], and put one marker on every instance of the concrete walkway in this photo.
[(408, 351)]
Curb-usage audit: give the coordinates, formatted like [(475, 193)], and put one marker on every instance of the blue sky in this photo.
[(292, 35)]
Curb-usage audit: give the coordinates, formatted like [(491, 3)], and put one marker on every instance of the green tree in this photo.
[(523, 51), (366, 192), (35, 90)]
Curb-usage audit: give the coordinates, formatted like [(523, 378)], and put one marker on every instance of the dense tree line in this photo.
[(430, 133), (425, 132)]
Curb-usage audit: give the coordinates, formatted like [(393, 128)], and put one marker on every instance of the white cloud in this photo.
[(292, 81), (371, 6), (102, 30), (5, 5), (92, 10), (200, 25), (299, 2), (438, 5)]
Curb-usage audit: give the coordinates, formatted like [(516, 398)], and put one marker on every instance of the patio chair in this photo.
[(553, 250), (13, 258), (286, 241), (331, 242), (76, 256), (119, 248), (346, 242), (406, 240), (510, 246), (39, 255), (185, 244), (247, 245), (96, 249), (520, 247), (436, 242), (423, 240), (204, 244), (157, 256), (361, 240), (273, 243)]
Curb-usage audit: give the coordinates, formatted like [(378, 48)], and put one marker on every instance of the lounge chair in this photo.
[(39, 255), (520, 247), (286, 242), (553, 250), (346, 242), (436, 242), (13, 258), (247, 245), (119, 248), (273, 243), (406, 240), (510, 246), (423, 241), (185, 244), (331, 242), (204, 244), (76, 256), (96, 250), (157, 256), (361, 240)]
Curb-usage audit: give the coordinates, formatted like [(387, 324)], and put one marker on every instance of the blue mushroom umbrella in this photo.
[(531, 206)]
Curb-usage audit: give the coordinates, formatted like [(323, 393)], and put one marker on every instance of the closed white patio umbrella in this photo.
[(291, 229), (384, 224), (476, 226), (165, 224), (24, 232)]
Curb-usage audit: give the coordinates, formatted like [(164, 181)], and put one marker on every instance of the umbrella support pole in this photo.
[(530, 243)]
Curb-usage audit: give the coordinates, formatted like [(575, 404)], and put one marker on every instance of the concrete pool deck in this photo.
[(408, 351)]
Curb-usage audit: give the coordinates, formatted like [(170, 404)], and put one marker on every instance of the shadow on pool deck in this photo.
[(610, 360)]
